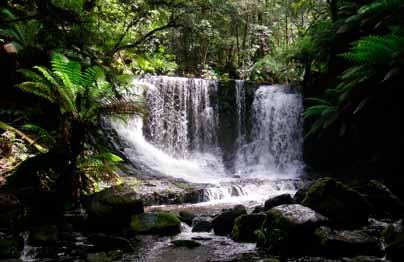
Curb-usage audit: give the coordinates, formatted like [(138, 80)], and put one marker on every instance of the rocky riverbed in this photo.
[(324, 221)]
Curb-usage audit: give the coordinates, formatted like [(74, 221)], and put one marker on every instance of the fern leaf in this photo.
[(38, 89)]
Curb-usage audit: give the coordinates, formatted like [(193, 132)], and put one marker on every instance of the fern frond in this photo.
[(47, 74), (91, 75), (318, 100), (31, 75), (376, 50), (40, 132), (38, 89), (379, 6), (70, 68)]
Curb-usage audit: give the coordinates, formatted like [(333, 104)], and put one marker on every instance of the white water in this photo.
[(180, 138), (276, 147)]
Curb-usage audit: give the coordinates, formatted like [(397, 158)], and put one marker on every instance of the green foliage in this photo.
[(375, 62), (23, 35), (324, 112), (82, 96)]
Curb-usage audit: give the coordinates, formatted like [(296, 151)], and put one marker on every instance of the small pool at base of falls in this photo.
[(212, 248)]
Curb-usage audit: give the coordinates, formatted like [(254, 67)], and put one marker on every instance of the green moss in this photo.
[(245, 226), (340, 203), (162, 223)]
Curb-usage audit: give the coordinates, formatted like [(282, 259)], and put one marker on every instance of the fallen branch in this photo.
[(38, 147)]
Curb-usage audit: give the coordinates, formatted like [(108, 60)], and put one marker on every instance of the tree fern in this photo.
[(376, 50), (379, 6), (82, 96)]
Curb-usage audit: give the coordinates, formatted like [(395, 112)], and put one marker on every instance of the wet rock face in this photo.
[(223, 223), (383, 202), (343, 205), (245, 226), (298, 215), (202, 224), (334, 243), (159, 223), (10, 246), (289, 229), (113, 206), (277, 201)]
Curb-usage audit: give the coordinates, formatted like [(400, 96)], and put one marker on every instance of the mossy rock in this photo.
[(202, 224), (43, 235), (339, 243), (10, 247), (160, 223), (289, 229), (343, 205), (113, 206), (186, 243), (223, 223), (277, 201), (186, 217), (245, 226), (384, 204)]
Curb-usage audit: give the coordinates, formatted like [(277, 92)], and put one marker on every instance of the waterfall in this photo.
[(182, 136), (276, 141), (181, 115), (240, 102)]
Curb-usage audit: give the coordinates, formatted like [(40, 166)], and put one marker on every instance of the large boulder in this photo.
[(277, 201), (10, 246), (383, 202), (343, 205), (113, 206), (340, 243), (11, 211), (202, 224), (223, 223), (289, 229), (245, 226), (43, 235), (159, 223)]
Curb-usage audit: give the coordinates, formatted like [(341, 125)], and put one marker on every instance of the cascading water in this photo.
[(180, 137), (276, 141)]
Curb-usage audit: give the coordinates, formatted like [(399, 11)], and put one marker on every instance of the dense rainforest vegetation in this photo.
[(64, 64), (347, 55)]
